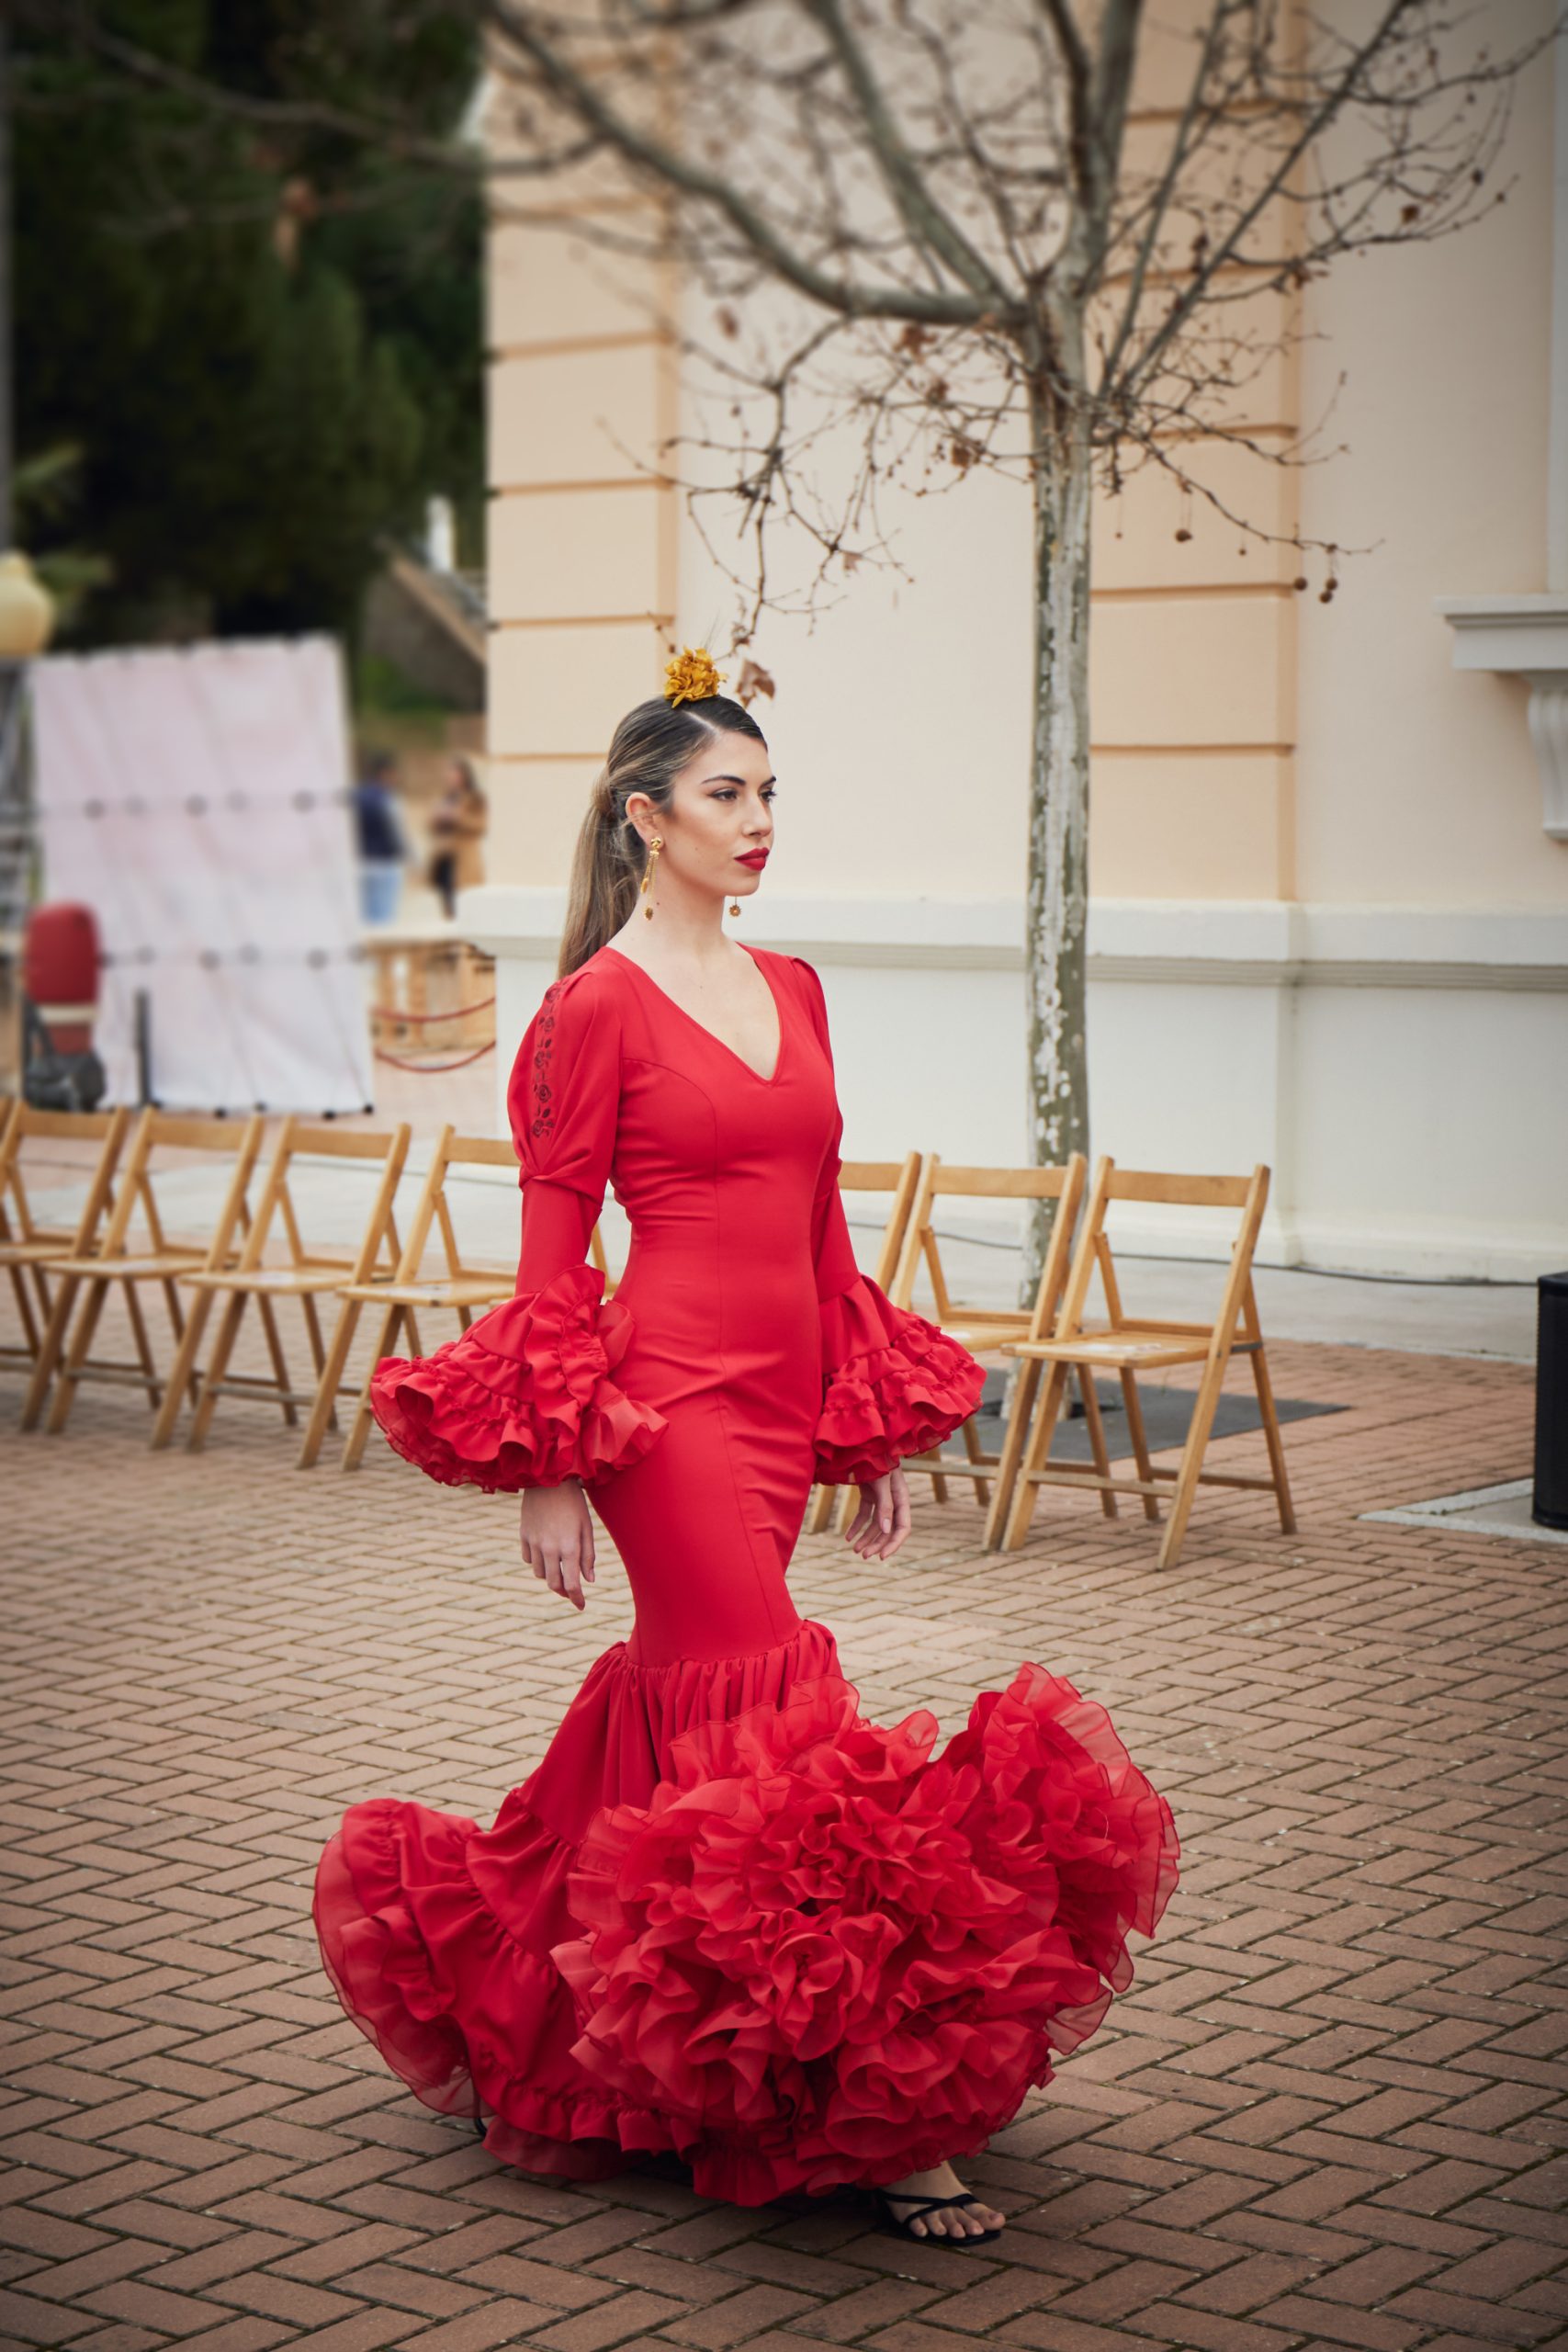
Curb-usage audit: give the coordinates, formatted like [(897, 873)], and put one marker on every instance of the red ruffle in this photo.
[(823, 1954), (437, 1934), (896, 1386), (524, 1397)]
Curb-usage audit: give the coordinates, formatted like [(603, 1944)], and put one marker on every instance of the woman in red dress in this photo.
[(726, 1917)]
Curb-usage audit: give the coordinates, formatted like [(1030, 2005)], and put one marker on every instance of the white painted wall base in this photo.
[(1402, 1071)]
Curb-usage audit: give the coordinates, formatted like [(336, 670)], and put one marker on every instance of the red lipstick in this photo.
[(753, 857)]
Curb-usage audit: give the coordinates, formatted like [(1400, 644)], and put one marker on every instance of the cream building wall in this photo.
[(1328, 927)]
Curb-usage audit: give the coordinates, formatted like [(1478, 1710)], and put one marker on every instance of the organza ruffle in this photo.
[(896, 1386), (823, 1954), (524, 1397), (803, 1950), (437, 1934)]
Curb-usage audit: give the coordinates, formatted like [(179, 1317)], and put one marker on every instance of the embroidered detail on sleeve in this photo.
[(544, 1096)]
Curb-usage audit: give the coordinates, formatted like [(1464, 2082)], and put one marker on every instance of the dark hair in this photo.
[(379, 763), (466, 769), (648, 751)]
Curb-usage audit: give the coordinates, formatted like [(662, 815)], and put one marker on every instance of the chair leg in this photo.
[(359, 1429), (976, 1453), (45, 1305), (144, 1355), (279, 1361), (325, 1405), (1024, 1395), (313, 1330), (821, 1509), (1204, 1409), (217, 1364), (1036, 1455), (182, 1374), (47, 1354), (24, 1310), (1095, 1424), (76, 1355), (1275, 1443), (170, 1289), (1139, 1435)]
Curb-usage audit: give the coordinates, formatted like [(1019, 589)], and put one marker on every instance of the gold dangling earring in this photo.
[(735, 906), (648, 871)]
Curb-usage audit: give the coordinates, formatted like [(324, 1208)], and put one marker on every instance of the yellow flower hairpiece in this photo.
[(690, 677)]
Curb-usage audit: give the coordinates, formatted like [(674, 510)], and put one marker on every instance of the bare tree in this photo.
[(969, 251), (1057, 238)]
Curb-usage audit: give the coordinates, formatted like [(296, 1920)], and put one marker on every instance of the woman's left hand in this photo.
[(883, 1520)]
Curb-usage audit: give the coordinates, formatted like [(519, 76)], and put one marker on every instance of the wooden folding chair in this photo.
[(1128, 1345), (27, 1247), (984, 1328), (462, 1288), (902, 1178), (136, 1248), (306, 1275)]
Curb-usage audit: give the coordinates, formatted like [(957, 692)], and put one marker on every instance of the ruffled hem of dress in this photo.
[(896, 1386), (437, 1934), (822, 1954), (524, 1397), (790, 1947), (474, 2021)]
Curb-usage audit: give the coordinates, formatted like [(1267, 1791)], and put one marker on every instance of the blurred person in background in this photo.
[(457, 826), (383, 845)]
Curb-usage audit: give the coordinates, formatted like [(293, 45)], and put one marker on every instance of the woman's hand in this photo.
[(557, 1536), (883, 1520)]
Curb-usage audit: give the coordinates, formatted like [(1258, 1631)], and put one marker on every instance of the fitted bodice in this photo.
[(711, 1162), (740, 1355)]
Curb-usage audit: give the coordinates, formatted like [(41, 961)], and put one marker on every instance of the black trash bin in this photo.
[(1551, 1505)]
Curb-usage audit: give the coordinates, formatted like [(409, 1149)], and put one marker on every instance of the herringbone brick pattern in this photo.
[(1331, 2113)]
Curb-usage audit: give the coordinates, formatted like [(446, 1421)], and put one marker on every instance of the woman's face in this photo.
[(721, 811)]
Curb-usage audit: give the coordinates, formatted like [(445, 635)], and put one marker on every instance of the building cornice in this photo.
[(1269, 943)]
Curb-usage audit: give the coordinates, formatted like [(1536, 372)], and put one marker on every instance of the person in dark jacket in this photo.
[(383, 846)]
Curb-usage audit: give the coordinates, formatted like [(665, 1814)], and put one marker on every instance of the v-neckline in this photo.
[(702, 1026)]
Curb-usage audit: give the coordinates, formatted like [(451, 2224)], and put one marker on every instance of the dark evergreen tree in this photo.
[(261, 333)]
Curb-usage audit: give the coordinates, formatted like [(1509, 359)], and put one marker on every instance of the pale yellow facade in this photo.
[(1309, 829)]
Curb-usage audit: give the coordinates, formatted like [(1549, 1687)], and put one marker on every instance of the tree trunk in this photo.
[(1058, 887)]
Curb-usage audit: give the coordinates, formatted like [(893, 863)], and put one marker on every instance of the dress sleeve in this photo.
[(527, 1396), (891, 1382)]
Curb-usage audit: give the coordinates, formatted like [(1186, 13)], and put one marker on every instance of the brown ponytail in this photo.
[(649, 747)]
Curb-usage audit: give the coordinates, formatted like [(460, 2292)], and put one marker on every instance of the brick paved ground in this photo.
[(1331, 2113)]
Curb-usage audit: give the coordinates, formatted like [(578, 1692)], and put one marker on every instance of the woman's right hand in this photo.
[(557, 1536)]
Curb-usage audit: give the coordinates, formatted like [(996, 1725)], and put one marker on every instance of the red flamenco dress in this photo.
[(727, 1915)]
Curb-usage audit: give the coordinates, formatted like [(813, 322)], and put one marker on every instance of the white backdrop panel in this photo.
[(196, 800)]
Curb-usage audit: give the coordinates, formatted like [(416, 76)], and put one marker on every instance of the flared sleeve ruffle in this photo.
[(525, 1397), (893, 1385), (528, 1396)]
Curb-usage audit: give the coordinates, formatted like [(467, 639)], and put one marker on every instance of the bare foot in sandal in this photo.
[(906, 2197)]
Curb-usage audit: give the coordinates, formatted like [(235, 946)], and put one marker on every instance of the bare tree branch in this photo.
[(673, 171), (925, 219)]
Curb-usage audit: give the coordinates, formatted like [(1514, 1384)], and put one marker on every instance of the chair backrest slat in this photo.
[(1095, 1252), (434, 1207), (1179, 1191), (106, 1129), (157, 1132), (942, 1179)]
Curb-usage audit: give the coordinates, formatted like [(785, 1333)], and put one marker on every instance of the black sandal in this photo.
[(923, 2205)]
